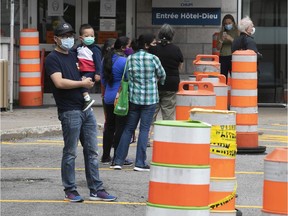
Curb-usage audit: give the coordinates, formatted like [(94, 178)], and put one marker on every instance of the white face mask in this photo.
[(253, 31)]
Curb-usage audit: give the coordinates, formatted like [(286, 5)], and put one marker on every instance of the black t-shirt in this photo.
[(66, 99), (170, 56)]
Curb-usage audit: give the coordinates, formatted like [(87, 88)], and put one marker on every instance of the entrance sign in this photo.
[(107, 25), (186, 16)]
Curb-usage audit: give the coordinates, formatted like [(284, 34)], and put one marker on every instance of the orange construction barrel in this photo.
[(275, 188), (207, 64), (220, 89), (198, 94), (30, 92), (179, 173), (244, 100), (215, 51)]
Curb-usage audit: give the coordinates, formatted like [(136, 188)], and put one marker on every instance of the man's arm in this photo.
[(63, 83)]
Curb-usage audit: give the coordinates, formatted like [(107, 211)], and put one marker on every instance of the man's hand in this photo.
[(87, 82), (97, 77)]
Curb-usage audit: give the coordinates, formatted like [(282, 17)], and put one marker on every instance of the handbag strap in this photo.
[(124, 70)]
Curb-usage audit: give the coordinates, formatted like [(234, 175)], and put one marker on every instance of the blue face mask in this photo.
[(228, 27), (67, 43), (88, 40)]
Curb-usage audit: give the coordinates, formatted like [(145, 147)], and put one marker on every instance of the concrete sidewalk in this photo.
[(43, 121), (36, 122)]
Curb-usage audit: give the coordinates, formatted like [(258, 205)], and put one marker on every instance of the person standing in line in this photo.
[(144, 70), (67, 87), (246, 41), (225, 39), (111, 75), (89, 59), (171, 59)]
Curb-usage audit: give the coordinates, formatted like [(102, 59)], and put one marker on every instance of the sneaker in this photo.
[(128, 162), (106, 161), (88, 104), (115, 166), (73, 196), (146, 168), (101, 195)]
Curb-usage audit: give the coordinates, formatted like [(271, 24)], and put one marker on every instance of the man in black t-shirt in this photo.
[(60, 66)]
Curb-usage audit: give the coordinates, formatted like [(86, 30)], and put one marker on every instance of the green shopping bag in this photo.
[(121, 104)]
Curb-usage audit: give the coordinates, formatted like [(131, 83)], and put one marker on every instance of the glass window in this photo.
[(270, 20)]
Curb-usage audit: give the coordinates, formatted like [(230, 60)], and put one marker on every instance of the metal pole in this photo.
[(11, 55)]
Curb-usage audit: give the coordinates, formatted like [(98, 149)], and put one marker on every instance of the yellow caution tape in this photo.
[(225, 200), (227, 145), (224, 152)]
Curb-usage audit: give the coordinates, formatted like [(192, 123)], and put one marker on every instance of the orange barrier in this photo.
[(30, 93), (215, 51), (244, 100), (175, 174), (220, 88), (202, 97), (223, 151), (208, 64), (275, 188)]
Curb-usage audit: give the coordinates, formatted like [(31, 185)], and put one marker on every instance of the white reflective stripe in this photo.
[(30, 74), (244, 58), (246, 128), (30, 61), (245, 110), (182, 134), (210, 79), (195, 100), (29, 48), (214, 118), (244, 92), (225, 185), (171, 175), (221, 213), (154, 211), (268, 213), (223, 157), (221, 90), (244, 76), (192, 78), (30, 89), (275, 171), (29, 34), (206, 68)]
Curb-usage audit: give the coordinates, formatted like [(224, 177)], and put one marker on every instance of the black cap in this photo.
[(63, 28)]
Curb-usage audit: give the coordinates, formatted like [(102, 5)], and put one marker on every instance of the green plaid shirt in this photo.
[(144, 70)]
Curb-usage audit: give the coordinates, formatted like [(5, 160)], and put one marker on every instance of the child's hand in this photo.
[(97, 77)]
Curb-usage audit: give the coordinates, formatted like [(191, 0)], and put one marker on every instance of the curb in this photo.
[(34, 132)]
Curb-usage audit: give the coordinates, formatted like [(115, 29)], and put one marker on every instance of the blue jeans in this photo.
[(76, 125), (144, 113)]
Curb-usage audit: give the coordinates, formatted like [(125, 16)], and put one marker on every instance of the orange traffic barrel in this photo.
[(223, 147), (275, 188), (174, 174), (215, 51), (208, 64), (30, 92), (197, 94), (220, 88), (244, 100), (188, 139), (222, 196)]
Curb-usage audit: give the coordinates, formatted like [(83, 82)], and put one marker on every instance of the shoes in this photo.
[(115, 166), (101, 195), (128, 162), (146, 168), (73, 196), (106, 161), (88, 104)]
